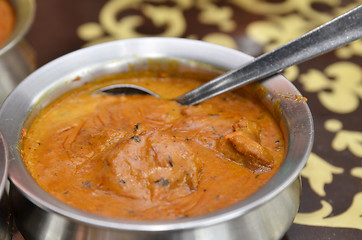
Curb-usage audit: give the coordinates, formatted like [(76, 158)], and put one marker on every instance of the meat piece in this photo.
[(153, 165), (243, 146)]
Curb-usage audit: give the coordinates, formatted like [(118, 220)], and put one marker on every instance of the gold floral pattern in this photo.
[(345, 140), (170, 18), (348, 219), (317, 178), (220, 16), (319, 173), (343, 80)]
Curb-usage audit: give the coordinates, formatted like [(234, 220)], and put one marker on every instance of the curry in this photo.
[(145, 158), (7, 21)]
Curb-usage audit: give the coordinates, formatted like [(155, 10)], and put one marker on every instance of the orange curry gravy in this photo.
[(7, 20), (146, 158)]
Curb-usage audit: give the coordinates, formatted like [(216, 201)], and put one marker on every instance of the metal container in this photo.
[(267, 214), (16, 57), (5, 212)]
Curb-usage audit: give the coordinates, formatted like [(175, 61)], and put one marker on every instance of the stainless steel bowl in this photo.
[(267, 214), (16, 57), (5, 212)]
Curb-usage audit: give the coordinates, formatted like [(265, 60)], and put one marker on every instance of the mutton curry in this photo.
[(146, 158)]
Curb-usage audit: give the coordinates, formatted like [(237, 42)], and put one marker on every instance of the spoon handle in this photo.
[(340, 31)]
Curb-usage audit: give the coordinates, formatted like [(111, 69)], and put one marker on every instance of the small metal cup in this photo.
[(16, 56)]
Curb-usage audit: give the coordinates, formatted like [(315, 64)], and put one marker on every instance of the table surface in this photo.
[(331, 202)]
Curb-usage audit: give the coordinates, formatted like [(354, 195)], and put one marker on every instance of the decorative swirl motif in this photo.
[(348, 219), (319, 173), (168, 18), (343, 79), (220, 16), (305, 8), (351, 140), (317, 178)]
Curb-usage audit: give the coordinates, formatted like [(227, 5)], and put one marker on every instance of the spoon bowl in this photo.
[(126, 89)]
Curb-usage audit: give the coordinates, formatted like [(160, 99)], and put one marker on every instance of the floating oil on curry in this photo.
[(146, 158), (7, 21)]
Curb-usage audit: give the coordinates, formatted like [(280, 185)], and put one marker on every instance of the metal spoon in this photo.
[(338, 32)]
